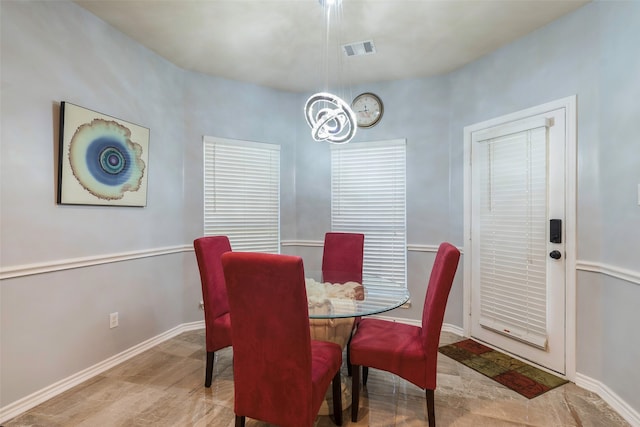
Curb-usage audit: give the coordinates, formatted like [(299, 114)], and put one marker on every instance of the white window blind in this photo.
[(368, 195), (242, 193), (513, 206)]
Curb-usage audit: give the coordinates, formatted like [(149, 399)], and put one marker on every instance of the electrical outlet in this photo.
[(113, 320)]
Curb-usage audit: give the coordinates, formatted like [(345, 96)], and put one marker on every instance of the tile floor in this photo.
[(164, 387)]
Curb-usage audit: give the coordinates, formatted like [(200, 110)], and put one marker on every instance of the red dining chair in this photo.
[(214, 295), (405, 350), (280, 375), (342, 260), (342, 257)]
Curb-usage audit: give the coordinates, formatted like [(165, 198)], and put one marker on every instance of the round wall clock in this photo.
[(368, 109)]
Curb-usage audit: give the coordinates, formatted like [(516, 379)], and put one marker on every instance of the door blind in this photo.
[(368, 193), (513, 206), (242, 193)]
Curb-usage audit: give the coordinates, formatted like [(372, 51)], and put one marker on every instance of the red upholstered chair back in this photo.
[(440, 281), (209, 251), (270, 334), (342, 257)]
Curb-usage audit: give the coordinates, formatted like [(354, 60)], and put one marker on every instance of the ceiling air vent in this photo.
[(359, 48)]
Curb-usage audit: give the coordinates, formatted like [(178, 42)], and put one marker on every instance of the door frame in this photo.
[(569, 104)]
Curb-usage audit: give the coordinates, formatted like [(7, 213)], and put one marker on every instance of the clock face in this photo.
[(368, 109)]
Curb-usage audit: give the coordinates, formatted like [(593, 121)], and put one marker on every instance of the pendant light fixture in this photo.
[(330, 118)]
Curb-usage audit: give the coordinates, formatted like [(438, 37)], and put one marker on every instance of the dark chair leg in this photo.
[(337, 399), (431, 413), (355, 392), (365, 374), (209, 373), (239, 421)]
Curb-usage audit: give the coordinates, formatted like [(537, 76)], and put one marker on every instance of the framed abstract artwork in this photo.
[(102, 160)]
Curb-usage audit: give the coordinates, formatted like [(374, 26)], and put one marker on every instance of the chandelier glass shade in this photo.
[(330, 118)]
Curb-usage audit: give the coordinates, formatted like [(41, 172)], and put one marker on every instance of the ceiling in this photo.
[(281, 43)]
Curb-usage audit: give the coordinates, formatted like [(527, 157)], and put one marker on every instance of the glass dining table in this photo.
[(348, 299), (334, 304)]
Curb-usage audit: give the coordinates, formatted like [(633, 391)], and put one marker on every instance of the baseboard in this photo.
[(447, 327), (22, 405), (412, 322), (620, 406)]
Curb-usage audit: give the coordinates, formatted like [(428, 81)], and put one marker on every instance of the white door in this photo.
[(516, 238)]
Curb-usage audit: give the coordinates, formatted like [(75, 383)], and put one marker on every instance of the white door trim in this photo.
[(569, 104)]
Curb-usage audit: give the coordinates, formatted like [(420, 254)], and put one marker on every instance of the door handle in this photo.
[(555, 254)]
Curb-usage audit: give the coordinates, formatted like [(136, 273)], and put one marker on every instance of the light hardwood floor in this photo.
[(164, 387)]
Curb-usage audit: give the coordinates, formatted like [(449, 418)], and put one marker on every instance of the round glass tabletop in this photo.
[(343, 298)]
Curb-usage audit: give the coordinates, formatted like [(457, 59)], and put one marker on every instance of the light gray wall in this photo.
[(234, 110), (618, 112), (56, 324), (618, 169), (55, 51), (592, 53)]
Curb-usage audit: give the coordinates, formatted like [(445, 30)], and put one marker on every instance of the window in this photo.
[(242, 193), (368, 188)]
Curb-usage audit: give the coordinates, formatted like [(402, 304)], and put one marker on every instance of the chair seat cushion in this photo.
[(390, 346), (326, 360)]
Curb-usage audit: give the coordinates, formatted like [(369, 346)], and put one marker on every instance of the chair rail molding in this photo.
[(308, 243), (70, 263), (320, 243), (609, 270)]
